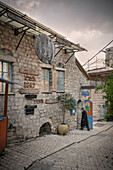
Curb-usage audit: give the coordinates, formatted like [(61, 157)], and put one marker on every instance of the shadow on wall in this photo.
[(79, 105)]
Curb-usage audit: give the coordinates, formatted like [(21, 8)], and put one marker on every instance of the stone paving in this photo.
[(77, 150), (93, 153)]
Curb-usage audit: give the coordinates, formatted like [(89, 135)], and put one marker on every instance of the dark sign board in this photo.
[(32, 96), (87, 87), (29, 109), (30, 106)]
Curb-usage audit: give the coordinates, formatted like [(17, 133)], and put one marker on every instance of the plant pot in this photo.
[(62, 129)]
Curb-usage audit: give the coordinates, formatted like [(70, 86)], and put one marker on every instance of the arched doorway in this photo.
[(45, 129), (79, 105), (88, 106)]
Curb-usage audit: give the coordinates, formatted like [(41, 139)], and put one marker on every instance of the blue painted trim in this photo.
[(9, 82), (11, 76), (1, 118)]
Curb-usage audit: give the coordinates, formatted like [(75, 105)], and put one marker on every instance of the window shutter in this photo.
[(54, 80)]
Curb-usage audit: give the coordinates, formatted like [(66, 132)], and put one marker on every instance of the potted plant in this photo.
[(67, 102)]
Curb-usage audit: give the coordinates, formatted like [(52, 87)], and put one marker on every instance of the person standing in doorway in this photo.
[(84, 120)]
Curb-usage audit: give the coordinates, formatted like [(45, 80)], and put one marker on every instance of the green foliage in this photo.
[(26, 138), (67, 102), (108, 117), (107, 88)]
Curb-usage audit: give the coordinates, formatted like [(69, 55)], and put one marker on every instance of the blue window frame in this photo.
[(75, 110), (60, 81), (6, 73), (46, 80)]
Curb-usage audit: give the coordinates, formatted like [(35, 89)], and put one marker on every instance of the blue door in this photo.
[(88, 106)]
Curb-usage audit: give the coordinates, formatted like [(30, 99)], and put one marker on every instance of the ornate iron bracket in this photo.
[(58, 51), (70, 57), (20, 40)]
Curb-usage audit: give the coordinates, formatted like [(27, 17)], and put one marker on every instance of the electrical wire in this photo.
[(98, 52)]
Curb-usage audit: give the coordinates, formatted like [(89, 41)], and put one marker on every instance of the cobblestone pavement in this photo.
[(77, 150)]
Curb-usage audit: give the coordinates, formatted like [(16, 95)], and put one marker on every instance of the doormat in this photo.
[(98, 124)]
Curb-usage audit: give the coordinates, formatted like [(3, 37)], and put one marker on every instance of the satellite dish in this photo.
[(44, 48)]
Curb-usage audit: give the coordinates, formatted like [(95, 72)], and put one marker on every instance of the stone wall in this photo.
[(26, 58), (97, 99), (109, 57)]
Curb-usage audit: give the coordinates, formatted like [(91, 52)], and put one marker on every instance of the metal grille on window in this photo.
[(6, 73), (45, 80), (60, 81)]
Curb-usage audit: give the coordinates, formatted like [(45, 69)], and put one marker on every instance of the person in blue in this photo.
[(84, 120)]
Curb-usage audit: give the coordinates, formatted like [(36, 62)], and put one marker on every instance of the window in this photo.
[(60, 81), (6, 73), (46, 80)]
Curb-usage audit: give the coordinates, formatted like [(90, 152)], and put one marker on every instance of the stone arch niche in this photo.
[(79, 105), (45, 129)]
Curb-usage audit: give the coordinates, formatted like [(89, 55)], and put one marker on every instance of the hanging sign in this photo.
[(44, 48), (85, 93)]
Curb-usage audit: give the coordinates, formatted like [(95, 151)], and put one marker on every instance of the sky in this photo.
[(87, 22)]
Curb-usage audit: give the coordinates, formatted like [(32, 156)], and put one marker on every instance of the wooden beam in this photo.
[(63, 42), (21, 20), (29, 91)]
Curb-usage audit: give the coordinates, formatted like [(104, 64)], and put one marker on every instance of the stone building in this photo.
[(109, 57), (33, 108), (95, 76)]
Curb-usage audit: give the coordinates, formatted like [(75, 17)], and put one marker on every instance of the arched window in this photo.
[(5, 69), (5, 51), (61, 65)]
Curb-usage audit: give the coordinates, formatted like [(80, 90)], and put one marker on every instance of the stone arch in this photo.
[(60, 64), (46, 128)]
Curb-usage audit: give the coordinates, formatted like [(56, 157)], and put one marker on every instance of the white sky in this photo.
[(87, 22)]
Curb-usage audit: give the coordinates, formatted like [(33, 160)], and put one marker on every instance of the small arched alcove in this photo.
[(45, 129)]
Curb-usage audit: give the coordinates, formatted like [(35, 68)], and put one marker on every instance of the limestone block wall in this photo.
[(26, 58), (97, 99)]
